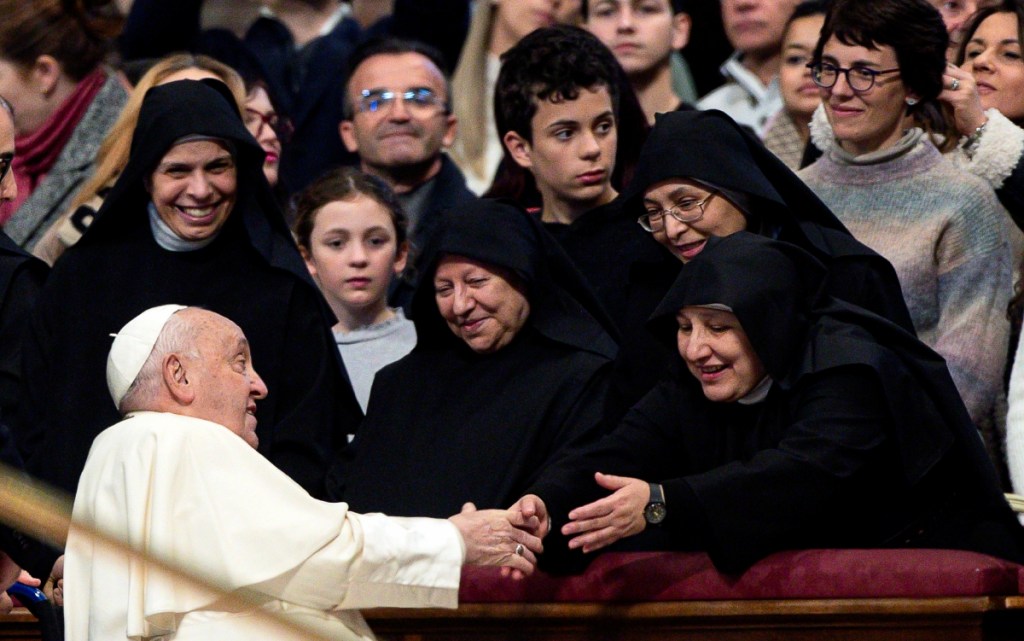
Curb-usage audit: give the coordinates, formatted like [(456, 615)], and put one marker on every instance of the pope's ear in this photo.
[(175, 378)]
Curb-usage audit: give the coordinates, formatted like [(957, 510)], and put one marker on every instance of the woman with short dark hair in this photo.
[(881, 65)]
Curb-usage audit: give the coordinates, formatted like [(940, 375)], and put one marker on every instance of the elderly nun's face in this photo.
[(718, 353), (709, 214), (193, 188), (483, 304)]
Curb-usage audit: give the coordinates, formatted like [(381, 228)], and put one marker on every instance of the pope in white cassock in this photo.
[(179, 478)]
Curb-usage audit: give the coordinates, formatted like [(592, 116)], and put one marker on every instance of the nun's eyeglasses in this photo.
[(685, 211), (826, 74)]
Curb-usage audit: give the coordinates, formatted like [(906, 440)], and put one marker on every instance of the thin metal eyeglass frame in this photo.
[(647, 220), (387, 98)]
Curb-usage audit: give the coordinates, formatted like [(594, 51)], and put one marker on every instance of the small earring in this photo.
[(911, 101)]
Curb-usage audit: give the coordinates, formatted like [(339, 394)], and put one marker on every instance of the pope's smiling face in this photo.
[(221, 372), (194, 188)]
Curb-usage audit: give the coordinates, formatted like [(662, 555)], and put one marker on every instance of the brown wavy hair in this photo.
[(78, 33)]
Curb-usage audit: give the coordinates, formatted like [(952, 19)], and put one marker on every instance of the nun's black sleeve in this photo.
[(27, 422), (647, 444), (742, 509), (30, 554), (791, 495)]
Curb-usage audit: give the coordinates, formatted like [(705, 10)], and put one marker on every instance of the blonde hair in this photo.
[(113, 152), (469, 92)]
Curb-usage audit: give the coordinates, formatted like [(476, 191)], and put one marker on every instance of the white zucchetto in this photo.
[(132, 347)]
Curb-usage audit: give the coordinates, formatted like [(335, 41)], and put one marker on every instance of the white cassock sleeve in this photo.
[(194, 494)]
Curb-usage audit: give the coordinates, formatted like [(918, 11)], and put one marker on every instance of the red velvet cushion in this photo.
[(803, 574)]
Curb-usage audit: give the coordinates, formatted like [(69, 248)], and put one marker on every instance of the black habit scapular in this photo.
[(446, 425), (251, 273), (710, 148), (862, 440)]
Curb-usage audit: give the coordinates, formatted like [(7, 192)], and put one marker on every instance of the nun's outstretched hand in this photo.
[(605, 521)]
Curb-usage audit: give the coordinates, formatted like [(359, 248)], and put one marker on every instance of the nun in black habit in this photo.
[(693, 154), (821, 426), (136, 256), (452, 422)]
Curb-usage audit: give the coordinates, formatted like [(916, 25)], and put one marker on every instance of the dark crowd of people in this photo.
[(599, 274)]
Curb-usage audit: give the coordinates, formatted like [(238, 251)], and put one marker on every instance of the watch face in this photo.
[(654, 513)]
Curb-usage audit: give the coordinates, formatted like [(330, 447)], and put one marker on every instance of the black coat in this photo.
[(603, 243), (862, 440), (711, 148), (251, 273), (447, 425), (21, 280)]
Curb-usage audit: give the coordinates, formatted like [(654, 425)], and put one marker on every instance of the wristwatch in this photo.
[(655, 511)]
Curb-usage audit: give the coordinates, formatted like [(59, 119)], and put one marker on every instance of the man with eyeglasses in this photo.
[(398, 119), (755, 29)]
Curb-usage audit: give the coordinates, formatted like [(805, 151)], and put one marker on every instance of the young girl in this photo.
[(351, 231)]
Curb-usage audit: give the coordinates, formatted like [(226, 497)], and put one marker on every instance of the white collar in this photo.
[(166, 238), (757, 394)]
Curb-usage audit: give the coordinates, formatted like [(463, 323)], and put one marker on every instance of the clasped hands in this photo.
[(503, 538), (598, 524), (512, 538)]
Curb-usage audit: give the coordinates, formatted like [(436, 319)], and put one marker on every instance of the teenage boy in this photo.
[(556, 109), (643, 34)]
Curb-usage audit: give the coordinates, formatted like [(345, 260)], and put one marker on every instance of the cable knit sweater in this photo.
[(947, 236)]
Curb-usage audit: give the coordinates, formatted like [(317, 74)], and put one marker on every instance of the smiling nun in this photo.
[(190, 221), (793, 421)]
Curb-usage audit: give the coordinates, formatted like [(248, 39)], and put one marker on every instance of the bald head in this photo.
[(178, 336), (201, 367)]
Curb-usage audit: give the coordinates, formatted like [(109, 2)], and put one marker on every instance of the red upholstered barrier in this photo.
[(803, 574)]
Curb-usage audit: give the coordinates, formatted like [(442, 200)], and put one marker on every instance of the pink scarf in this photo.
[(35, 153)]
